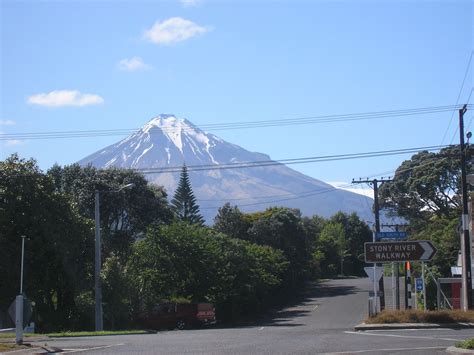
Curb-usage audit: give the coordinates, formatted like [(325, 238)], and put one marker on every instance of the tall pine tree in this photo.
[(184, 203)]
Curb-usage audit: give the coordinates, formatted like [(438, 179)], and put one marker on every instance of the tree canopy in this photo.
[(426, 185)]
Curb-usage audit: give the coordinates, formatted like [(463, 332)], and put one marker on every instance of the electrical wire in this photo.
[(265, 163), (468, 67), (237, 125), (317, 191)]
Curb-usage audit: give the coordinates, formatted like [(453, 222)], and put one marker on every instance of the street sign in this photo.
[(369, 270), (379, 294), (386, 252), (390, 235), (27, 311), (419, 285)]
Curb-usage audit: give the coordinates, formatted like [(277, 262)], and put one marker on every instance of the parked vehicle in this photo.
[(178, 315)]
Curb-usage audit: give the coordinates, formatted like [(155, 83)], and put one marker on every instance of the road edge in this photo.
[(388, 326)]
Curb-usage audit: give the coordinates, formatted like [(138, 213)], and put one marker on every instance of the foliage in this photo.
[(443, 232), (419, 316), (117, 294), (192, 261), (426, 185), (58, 245), (232, 222), (184, 203), (244, 265), (333, 234), (466, 344), (356, 232), (125, 214), (281, 228)]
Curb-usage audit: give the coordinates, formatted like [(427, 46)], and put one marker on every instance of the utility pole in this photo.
[(375, 183), (466, 243)]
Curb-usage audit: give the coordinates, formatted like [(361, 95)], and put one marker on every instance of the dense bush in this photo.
[(183, 260)]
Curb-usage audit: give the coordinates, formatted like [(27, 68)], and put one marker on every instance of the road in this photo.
[(322, 323)]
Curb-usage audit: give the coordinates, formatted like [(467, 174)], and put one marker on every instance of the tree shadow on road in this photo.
[(304, 304)]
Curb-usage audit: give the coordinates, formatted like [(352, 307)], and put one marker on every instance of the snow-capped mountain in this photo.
[(167, 141)]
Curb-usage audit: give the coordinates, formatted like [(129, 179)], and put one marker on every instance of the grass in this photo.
[(5, 335), (90, 334), (75, 334), (418, 316), (9, 347), (466, 344)]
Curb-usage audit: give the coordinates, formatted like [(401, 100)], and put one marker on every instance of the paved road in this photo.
[(321, 323)]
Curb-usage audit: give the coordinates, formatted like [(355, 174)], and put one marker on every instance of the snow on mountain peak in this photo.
[(176, 129), (171, 126)]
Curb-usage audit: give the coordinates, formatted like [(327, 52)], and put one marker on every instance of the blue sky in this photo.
[(87, 65)]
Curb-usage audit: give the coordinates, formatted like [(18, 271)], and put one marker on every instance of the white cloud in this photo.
[(59, 98), (133, 64), (13, 142), (190, 3), (7, 123), (361, 190), (172, 30)]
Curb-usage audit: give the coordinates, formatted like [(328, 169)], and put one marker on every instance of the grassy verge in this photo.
[(6, 335), (416, 316), (10, 347), (89, 334), (75, 334), (466, 344)]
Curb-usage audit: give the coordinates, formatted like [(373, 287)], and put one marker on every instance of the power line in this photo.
[(238, 125), (319, 191), (468, 67), (467, 102), (315, 159)]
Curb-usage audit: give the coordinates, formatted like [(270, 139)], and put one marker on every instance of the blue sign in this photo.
[(419, 285), (391, 235)]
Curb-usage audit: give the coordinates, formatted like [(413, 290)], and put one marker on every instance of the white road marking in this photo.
[(69, 351), (261, 328), (413, 329), (24, 350), (393, 349), (400, 336), (315, 307)]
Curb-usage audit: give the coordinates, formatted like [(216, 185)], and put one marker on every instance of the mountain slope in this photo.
[(167, 141)]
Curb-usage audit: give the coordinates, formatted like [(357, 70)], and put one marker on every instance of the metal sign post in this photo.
[(19, 300), (424, 286)]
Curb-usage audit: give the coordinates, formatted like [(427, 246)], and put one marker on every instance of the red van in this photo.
[(178, 315)]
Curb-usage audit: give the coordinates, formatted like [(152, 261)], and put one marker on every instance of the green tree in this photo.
[(426, 191), (124, 215), (333, 235), (232, 222), (58, 248), (282, 228), (184, 203), (426, 185), (188, 261), (357, 232), (117, 293)]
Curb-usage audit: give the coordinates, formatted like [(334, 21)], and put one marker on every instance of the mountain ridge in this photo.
[(167, 141)]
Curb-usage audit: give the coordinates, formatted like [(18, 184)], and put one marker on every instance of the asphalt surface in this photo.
[(322, 323)]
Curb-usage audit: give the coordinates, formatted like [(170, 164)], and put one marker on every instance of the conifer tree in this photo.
[(184, 203)]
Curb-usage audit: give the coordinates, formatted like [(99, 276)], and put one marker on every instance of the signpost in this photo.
[(419, 284), (386, 252), (378, 270), (391, 235)]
